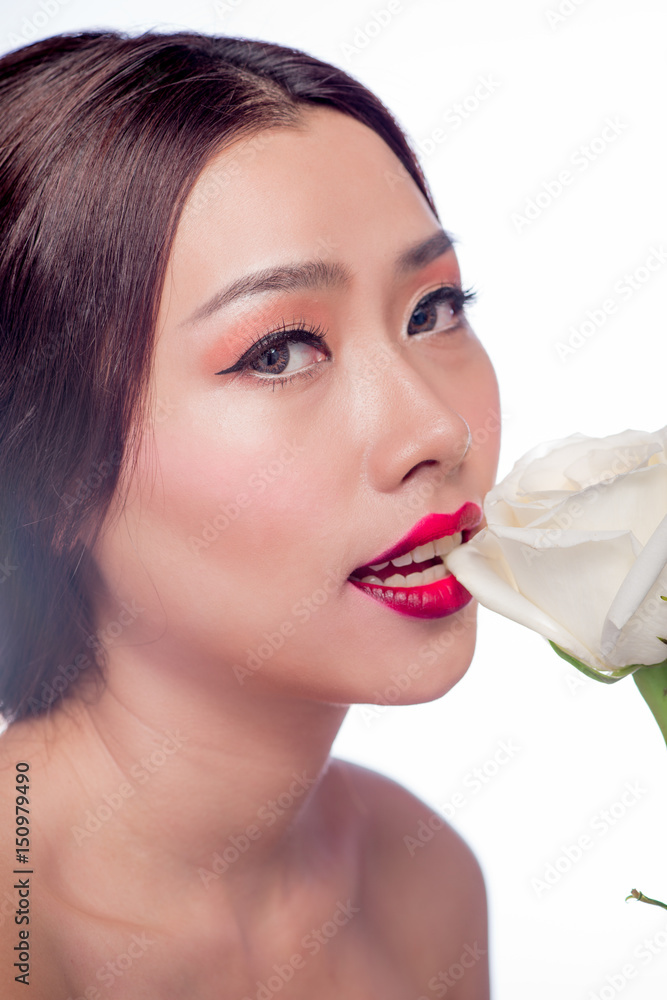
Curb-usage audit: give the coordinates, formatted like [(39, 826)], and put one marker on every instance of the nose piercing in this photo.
[(469, 441)]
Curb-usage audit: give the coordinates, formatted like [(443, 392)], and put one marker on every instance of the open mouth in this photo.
[(411, 577), (416, 568)]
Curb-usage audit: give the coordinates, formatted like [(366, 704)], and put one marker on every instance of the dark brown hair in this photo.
[(102, 137)]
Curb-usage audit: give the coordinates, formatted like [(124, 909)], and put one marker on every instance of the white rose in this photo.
[(575, 548)]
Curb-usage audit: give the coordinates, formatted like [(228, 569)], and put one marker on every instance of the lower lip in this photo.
[(433, 600)]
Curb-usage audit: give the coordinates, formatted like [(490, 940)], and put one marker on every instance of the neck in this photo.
[(196, 781)]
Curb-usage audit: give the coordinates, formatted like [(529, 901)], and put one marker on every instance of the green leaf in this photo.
[(652, 684), (605, 677)]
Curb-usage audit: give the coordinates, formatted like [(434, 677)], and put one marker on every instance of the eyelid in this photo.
[(445, 291), (298, 330), (452, 288)]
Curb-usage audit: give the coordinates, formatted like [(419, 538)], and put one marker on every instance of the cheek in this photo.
[(231, 482), (212, 523), (230, 499)]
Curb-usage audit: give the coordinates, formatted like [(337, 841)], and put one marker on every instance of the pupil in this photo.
[(272, 358), (422, 316)]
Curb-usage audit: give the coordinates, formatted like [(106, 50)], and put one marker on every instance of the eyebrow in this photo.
[(315, 274)]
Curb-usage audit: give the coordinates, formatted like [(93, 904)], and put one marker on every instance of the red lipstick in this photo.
[(430, 600)]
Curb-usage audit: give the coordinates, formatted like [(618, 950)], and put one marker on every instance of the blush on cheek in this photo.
[(251, 502)]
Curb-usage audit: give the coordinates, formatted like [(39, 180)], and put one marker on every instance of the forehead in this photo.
[(330, 185)]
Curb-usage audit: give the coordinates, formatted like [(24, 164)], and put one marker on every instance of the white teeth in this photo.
[(443, 546), (440, 547), (423, 552), (429, 575)]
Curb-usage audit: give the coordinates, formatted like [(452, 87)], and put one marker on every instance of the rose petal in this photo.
[(483, 570), (638, 641), (637, 615), (603, 464), (571, 576), (608, 506)]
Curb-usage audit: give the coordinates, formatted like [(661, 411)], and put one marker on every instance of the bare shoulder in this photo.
[(425, 886)]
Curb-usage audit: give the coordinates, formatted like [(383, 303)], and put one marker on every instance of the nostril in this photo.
[(427, 461)]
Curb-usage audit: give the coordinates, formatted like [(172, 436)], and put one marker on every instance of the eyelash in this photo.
[(300, 331)]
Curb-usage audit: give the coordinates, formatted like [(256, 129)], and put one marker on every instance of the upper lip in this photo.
[(432, 526)]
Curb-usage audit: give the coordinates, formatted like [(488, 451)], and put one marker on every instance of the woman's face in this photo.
[(258, 492)]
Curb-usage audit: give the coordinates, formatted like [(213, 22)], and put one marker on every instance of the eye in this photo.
[(293, 352), (439, 311)]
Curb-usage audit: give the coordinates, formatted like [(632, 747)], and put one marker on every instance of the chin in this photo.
[(435, 666)]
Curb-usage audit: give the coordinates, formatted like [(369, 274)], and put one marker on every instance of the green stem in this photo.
[(636, 894), (652, 684)]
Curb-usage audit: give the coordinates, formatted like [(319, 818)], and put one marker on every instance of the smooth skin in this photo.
[(246, 643)]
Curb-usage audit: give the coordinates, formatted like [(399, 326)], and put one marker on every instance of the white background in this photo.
[(556, 81)]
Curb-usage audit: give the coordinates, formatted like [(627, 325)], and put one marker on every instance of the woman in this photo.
[(199, 576)]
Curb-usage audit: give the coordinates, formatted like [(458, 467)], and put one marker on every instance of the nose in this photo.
[(415, 431)]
